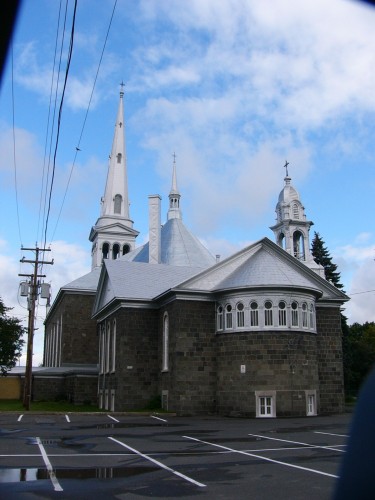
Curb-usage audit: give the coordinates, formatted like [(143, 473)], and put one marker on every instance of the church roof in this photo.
[(262, 265), (288, 193), (138, 281), (86, 282), (179, 247)]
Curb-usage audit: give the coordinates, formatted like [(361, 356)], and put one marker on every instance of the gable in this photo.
[(263, 264)]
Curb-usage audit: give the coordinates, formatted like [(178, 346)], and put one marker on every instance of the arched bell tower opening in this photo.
[(299, 245), (105, 251), (115, 251), (281, 240)]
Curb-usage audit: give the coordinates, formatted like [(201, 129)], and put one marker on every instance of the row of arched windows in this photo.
[(265, 314), (116, 251)]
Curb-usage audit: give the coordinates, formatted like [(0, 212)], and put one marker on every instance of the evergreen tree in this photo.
[(11, 342), (321, 256)]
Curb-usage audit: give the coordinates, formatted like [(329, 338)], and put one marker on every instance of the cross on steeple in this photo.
[(174, 157), (122, 85), (286, 167)]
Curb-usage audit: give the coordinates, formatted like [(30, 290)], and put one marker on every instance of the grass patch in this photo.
[(55, 406)]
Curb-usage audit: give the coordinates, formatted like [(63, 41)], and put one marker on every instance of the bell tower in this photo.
[(113, 234), (292, 229)]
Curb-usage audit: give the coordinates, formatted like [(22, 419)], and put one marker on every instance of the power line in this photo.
[(14, 151), (85, 119), (70, 51), (44, 179)]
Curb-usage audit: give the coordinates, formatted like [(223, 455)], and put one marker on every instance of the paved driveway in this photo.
[(97, 456)]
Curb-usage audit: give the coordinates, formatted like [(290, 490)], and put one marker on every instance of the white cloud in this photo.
[(357, 266), (71, 262)]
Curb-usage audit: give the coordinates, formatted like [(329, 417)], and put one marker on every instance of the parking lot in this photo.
[(126, 457)]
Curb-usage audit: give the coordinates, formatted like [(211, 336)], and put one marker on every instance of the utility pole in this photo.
[(32, 296)]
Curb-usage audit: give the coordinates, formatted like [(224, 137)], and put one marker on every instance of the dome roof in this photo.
[(179, 247), (288, 193)]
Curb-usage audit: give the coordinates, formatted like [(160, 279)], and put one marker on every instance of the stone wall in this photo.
[(330, 360), (76, 388), (191, 378), (265, 361), (82, 389), (48, 388), (79, 342), (135, 380)]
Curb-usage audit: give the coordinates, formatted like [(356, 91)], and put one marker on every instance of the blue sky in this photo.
[(235, 88)]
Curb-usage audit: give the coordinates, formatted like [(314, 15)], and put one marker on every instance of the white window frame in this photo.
[(304, 314), (113, 347), (282, 314), (261, 396), (240, 315), (294, 315), (220, 318), (165, 347), (268, 314), (228, 317), (107, 347), (254, 315), (311, 403)]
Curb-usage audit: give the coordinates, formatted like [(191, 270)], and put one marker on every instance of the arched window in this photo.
[(295, 210), (304, 315), (105, 250), (298, 245), (117, 204), (119, 156), (115, 251), (312, 317), (281, 240), (254, 316), (279, 214), (113, 344), (228, 317), (219, 319), (125, 249), (240, 315), (282, 313), (295, 314), (165, 342), (268, 317)]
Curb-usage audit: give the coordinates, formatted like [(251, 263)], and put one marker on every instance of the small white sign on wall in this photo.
[(243, 368)]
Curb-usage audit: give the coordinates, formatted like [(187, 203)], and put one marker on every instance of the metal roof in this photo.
[(87, 282), (138, 280), (179, 247)]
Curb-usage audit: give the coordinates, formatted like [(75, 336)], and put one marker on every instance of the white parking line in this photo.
[(298, 442), (19, 418), (262, 458), (51, 472), (113, 418), (158, 418), (157, 463), (329, 434), (67, 418)]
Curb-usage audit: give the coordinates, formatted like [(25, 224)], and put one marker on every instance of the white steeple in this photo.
[(113, 234), (174, 211), (292, 229)]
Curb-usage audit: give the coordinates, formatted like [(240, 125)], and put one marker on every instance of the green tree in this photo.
[(359, 355), (11, 342), (321, 256)]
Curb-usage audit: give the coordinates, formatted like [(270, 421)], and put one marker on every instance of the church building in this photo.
[(257, 334)]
